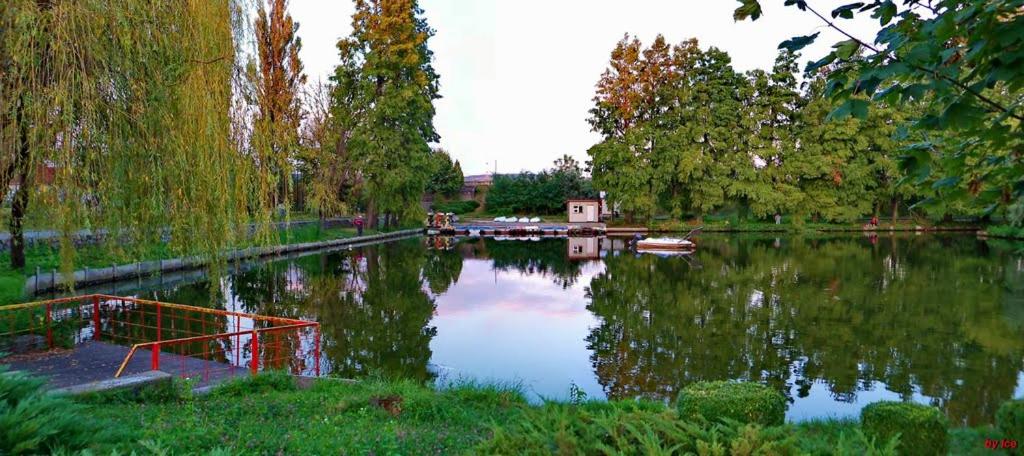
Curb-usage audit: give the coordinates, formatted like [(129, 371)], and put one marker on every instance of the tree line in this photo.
[(545, 192), (684, 133), (197, 116)]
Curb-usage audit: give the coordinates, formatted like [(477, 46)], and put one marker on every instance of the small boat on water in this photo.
[(664, 245)]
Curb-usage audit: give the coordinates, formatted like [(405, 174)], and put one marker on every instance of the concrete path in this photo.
[(92, 362)]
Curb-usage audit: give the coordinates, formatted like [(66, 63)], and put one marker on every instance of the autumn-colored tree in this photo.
[(383, 106), (278, 81)]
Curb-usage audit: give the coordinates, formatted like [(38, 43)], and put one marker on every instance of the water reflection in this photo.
[(834, 323)]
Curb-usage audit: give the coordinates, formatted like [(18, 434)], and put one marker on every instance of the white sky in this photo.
[(517, 76)]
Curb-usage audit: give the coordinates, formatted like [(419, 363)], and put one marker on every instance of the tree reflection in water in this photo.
[(931, 316), (942, 321)]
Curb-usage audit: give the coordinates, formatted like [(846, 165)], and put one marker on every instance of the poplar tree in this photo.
[(383, 106), (278, 81)]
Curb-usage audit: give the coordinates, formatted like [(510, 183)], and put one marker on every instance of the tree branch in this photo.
[(934, 73)]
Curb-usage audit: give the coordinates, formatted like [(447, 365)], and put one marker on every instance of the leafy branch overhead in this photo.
[(958, 63)]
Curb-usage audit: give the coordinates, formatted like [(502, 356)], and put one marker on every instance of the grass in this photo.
[(277, 417), (788, 224), (272, 414)]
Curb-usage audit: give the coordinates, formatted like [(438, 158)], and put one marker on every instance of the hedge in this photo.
[(923, 430), (740, 401), (457, 207)]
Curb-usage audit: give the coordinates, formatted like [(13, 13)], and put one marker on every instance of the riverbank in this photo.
[(100, 264), (274, 414)]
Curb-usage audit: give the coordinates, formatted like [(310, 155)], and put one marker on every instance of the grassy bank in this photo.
[(273, 414), (46, 258), (787, 225)]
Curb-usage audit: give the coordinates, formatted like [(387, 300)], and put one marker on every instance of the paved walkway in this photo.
[(97, 361)]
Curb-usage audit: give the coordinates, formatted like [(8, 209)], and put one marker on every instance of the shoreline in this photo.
[(51, 281)]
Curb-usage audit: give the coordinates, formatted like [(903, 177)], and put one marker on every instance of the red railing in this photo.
[(186, 340)]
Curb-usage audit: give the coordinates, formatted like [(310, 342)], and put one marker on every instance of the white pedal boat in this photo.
[(664, 245)]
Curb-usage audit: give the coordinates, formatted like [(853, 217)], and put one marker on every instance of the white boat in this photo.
[(664, 244)]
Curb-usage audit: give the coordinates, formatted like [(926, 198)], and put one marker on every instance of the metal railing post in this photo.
[(155, 361), (159, 324), (316, 350), (95, 318), (255, 363)]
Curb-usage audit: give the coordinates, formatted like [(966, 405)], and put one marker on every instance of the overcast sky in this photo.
[(517, 76)]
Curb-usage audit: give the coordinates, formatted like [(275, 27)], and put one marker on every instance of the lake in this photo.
[(833, 322)]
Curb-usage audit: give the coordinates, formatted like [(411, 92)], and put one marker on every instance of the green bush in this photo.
[(1010, 420), (35, 422), (630, 428), (740, 401), (922, 429), (457, 207)]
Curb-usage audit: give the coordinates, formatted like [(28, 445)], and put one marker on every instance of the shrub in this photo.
[(35, 422), (740, 401), (630, 428), (923, 430), (456, 207), (1010, 420)]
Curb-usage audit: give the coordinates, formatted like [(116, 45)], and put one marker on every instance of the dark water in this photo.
[(834, 323)]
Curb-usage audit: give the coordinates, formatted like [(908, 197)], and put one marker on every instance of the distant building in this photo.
[(470, 184), (584, 210), (478, 179)]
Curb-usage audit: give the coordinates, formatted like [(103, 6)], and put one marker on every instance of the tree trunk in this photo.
[(371, 215), (895, 210), (20, 203)]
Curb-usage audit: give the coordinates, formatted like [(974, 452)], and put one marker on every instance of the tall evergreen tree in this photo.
[(384, 93)]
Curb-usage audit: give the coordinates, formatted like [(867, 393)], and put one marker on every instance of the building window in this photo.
[(577, 209), (577, 249)]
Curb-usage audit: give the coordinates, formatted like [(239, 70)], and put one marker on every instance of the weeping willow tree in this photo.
[(116, 115)]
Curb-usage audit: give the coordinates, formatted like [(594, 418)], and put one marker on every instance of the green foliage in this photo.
[(1010, 419), (630, 428), (382, 106), (537, 193), (35, 422), (700, 137), (841, 437), (1009, 231), (956, 65), (446, 177), (148, 110), (740, 401), (921, 429), (456, 207), (264, 382)]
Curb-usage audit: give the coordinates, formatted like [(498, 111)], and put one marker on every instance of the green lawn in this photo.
[(272, 415)]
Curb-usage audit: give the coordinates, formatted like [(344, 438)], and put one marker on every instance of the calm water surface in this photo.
[(833, 323)]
